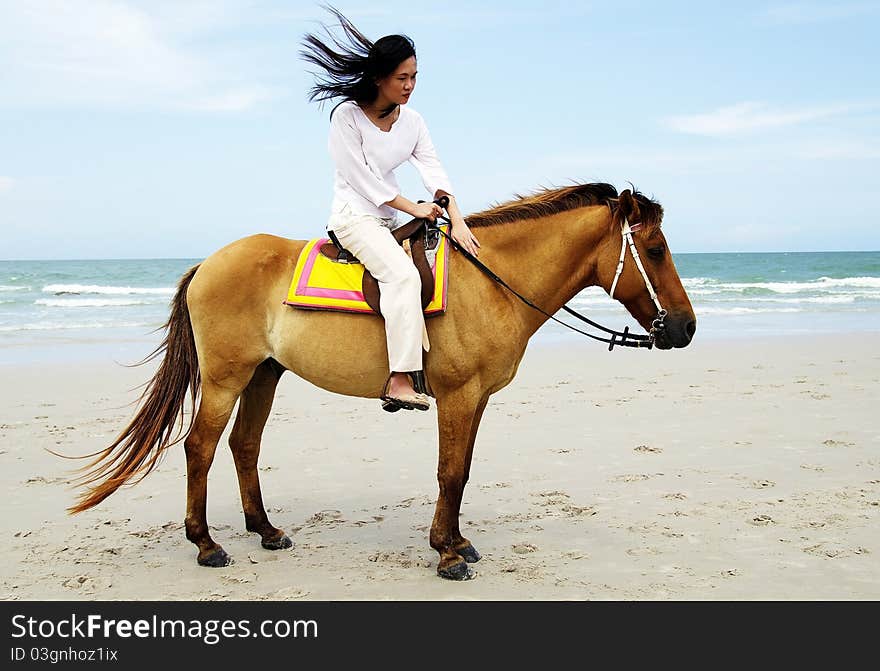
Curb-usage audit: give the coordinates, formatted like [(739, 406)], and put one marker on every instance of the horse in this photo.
[(229, 338)]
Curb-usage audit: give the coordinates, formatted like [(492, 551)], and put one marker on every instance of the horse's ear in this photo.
[(628, 206)]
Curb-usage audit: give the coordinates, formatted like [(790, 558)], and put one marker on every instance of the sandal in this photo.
[(413, 401)]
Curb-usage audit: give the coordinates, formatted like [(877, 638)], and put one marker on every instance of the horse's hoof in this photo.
[(217, 559), (281, 543), (469, 554), (459, 571)]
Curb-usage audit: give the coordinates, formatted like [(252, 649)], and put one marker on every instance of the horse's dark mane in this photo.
[(548, 201)]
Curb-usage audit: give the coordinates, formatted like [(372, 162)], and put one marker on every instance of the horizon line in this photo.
[(202, 258)]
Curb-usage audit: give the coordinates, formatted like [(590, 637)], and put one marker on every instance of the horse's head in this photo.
[(647, 282)]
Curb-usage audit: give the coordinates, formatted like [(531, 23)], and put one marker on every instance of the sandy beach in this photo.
[(746, 469)]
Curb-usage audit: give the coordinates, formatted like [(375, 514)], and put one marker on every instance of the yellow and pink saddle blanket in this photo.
[(320, 283)]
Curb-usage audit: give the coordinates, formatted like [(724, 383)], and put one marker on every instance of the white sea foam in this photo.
[(59, 289), (58, 326), (596, 301), (688, 282), (594, 297), (831, 299), (821, 284), (701, 291), (741, 310), (89, 302), (852, 281), (8, 288), (599, 300)]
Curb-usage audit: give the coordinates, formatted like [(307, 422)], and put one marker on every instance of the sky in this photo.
[(167, 129)]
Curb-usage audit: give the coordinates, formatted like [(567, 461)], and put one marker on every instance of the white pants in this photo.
[(369, 239)]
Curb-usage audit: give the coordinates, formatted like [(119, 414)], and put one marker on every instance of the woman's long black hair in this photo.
[(351, 70)]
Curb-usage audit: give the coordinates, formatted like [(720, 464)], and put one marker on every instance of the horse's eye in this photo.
[(657, 253)]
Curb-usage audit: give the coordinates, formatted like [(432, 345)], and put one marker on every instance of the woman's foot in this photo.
[(399, 394)]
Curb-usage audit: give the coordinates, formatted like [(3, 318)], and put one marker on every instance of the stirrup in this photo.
[(417, 401), (418, 381)]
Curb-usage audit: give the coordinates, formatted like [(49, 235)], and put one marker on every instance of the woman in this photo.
[(371, 134)]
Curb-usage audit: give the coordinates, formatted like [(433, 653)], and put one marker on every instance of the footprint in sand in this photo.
[(636, 552), (577, 511), (551, 498), (403, 559), (630, 477), (40, 480), (254, 558), (415, 500), (289, 594), (832, 552), (325, 517), (493, 485), (761, 520), (376, 518), (836, 443)]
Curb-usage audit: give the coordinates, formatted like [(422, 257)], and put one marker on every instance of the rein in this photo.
[(621, 338)]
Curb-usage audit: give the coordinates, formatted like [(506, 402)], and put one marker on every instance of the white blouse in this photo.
[(365, 158)]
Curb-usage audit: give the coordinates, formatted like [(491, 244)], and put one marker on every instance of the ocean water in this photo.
[(70, 310), (59, 310), (737, 295)]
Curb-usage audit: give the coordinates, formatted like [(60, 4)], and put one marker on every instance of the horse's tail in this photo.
[(140, 446)]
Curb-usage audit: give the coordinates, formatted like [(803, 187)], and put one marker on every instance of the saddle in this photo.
[(415, 237)]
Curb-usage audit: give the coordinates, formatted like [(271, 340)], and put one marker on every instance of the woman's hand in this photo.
[(463, 236), (426, 211)]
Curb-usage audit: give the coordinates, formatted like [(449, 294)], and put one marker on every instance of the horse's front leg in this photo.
[(458, 417)]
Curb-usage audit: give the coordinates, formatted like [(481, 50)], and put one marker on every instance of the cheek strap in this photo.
[(626, 232)]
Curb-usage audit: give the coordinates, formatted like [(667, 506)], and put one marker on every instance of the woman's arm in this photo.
[(425, 159), (420, 210), (460, 231)]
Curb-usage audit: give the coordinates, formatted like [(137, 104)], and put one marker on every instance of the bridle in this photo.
[(622, 338), (626, 231)]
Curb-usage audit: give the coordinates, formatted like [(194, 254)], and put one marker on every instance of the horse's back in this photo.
[(247, 267), (260, 250)]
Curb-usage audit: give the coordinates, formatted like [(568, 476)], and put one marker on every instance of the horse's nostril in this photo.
[(691, 328)]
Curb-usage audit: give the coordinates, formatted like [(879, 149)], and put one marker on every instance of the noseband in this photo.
[(626, 231)]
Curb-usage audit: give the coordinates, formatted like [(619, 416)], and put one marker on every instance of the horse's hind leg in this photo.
[(253, 411), (215, 408)]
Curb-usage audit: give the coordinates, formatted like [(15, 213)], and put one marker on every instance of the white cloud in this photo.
[(233, 100), (845, 150), (715, 159), (115, 53), (803, 13), (752, 116), (6, 183)]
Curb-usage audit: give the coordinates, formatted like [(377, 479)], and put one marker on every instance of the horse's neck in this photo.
[(547, 260)]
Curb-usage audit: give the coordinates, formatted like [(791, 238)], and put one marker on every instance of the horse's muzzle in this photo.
[(678, 330)]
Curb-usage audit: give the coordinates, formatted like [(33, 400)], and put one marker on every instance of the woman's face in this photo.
[(397, 87)]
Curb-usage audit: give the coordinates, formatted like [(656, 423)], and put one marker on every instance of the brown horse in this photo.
[(229, 338)]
